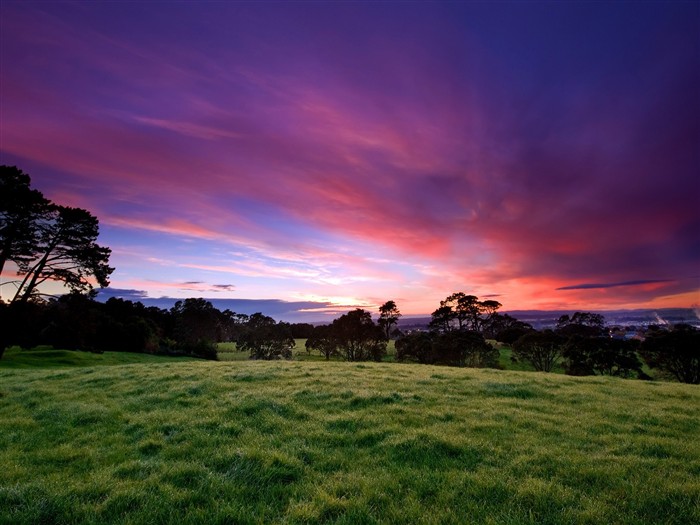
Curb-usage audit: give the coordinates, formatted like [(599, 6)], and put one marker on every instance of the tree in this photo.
[(541, 349), (388, 316), (441, 319), (675, 352), (468, 312), (504, 328), (464, 348), (21, 209), (66, 252), (47, 241), (357, 337), (322, 341), (266, 339), (465, 309), (416, 347), (601, 356), (583, 324), (196, 327)]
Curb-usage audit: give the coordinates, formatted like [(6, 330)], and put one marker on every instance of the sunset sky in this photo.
[(317, 156)]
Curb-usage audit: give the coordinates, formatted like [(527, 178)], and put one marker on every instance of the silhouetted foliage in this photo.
[(416, 347), (196, 323), (47, 241), (21, 208), (23, 324), (463, 312), (132, 326), (464, 348), (452, 348), (581, 324), (542, 350), (675, 352), (301, 330), (441, 319), (357, 337), (601, 356), (266, 339), (322, 341), (388, 317), (504, 328)]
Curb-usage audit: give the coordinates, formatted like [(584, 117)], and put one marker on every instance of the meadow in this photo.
[(127, 438)]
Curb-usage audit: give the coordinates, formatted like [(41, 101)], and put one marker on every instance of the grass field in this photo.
[(185, 441)]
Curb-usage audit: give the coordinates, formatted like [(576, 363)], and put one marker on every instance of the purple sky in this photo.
[(335, 155)]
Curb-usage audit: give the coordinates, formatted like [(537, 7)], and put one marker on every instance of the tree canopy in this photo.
[(675, 352), (388, 317), (47, 241), (357, 338)]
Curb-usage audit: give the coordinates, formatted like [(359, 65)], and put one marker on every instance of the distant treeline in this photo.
[(75, 321), (457, 335)]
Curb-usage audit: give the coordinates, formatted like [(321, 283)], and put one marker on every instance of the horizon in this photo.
[(322, 157), (299, 312)]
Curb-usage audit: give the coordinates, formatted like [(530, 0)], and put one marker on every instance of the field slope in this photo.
[(313, 442)]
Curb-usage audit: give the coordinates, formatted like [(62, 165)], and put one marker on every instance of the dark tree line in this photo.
[(455, 337), (191, 327), (353, 336), (581, 345)]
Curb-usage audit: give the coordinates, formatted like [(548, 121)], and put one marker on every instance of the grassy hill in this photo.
[(185, 441)]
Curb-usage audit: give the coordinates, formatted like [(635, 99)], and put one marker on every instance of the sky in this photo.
[(306, 158)]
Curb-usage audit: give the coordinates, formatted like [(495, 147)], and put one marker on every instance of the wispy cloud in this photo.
[(587, 286)]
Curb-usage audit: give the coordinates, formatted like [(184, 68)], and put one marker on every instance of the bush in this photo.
[(417, 347), (601, 356), (542, 350), (675, 352), (266, 339)]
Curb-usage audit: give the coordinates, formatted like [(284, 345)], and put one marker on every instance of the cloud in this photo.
[(223, 287), (132, 295), (613, 285)]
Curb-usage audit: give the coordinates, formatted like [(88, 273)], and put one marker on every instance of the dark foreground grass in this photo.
[(308, 442)]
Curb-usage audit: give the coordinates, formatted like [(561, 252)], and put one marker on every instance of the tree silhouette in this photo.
[(675, 352), (47, 241), (21, 209), (388, 316), (357, 337), (542, 350), (266, 339), (322, 341)]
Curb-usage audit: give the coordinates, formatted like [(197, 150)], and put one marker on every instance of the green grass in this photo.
[(313, 442), (228, 352), (47, 357)]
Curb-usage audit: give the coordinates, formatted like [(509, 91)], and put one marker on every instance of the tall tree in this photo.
[(441, 319), (47, 241), (66, 250), (357, 337), (585, 324), (388, 316), (466, 310), (21, 209)]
